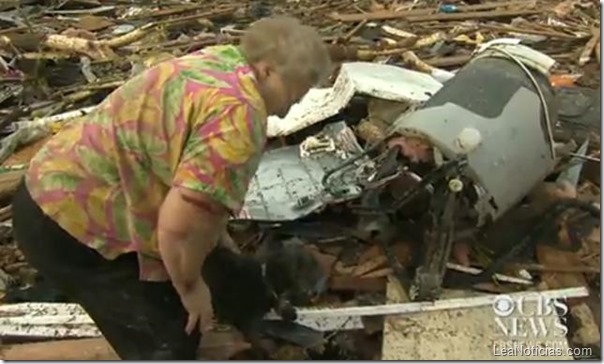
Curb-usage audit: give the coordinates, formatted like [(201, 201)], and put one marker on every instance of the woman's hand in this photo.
[(198, 302), (189, 227)]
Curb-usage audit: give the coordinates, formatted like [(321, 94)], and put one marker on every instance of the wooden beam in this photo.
[(387, 15), (214, 346)]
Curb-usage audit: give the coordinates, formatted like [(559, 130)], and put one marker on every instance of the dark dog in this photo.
[(240, 294), (292, 271)]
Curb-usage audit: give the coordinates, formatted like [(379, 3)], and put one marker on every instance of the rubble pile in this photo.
[(72, 54), (456, 149)]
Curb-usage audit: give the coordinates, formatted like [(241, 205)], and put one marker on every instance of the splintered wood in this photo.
[(214, 346), (458, 334), (83, 349)]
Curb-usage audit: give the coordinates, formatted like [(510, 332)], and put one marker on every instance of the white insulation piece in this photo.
[(377, 80)]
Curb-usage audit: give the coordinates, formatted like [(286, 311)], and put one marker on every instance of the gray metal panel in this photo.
[(284, 178), (513, 156)]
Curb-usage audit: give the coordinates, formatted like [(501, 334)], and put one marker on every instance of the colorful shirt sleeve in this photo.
[(221, 155)]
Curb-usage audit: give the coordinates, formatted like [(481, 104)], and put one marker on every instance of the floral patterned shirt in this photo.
[(196, 121)]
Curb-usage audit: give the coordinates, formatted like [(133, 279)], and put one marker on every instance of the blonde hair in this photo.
[(295, 50)]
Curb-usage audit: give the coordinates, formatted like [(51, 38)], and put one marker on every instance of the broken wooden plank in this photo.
[(460, 268), (558, 269), (169, 12), (511, 29), (82, 349), (358, 284), (379, 273), (6, 213), (470, 16), (499, 277), (214, 346), (9, 181), (373, 264), (388, 15), (452, 61), (550, 256), (585, 55)]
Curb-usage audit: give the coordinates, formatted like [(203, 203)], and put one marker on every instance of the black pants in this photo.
[(141, 320)]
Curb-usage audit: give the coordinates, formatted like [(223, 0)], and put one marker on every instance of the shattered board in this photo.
[(288, 186)]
